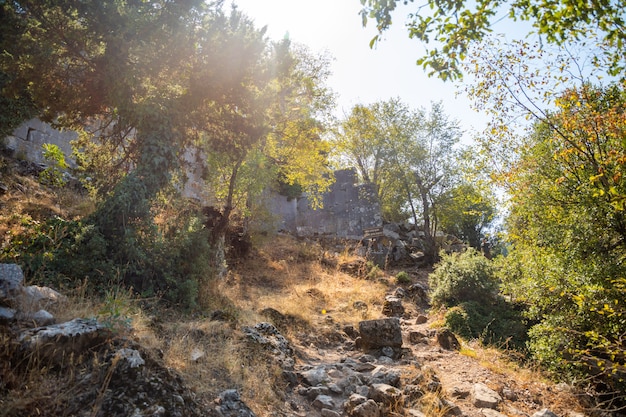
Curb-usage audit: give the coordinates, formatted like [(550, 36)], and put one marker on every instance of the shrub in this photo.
[(498, 323), (403, 278), (462, 277), (170, 261), (466, 284), (53, 174), (61, 254)]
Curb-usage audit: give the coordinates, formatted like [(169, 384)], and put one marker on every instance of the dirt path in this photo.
[(446, 378)]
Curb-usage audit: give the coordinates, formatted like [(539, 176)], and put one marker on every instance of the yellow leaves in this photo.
[(595, 178)]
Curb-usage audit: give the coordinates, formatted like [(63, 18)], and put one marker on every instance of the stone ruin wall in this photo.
[(348, 208)]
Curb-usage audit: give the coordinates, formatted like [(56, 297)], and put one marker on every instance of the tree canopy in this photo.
[(145, 81), (450, 28), (409, 155)]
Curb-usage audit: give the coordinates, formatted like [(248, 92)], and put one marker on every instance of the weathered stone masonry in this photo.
[(348, 207)]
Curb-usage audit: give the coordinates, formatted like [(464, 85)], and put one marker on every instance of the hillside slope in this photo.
[(306, 363)]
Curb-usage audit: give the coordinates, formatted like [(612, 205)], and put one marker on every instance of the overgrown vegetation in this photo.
[(466, 285), (257, 112)]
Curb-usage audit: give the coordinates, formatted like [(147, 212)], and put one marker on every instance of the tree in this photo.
[(364, 141), (424, 164), (410, 154), (264, 125), (454, 26), (563, 175), (468, 211), (567, 227), (111, 64)]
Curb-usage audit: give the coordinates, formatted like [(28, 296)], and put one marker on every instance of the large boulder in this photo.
[(269, 338), (376, 334), (231, 405), (392, 307), (11, 281), (60, 341)]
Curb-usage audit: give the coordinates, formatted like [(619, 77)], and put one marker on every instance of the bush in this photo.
[(462, 277), (403, 278), (169, 261), (466, 284), (61, 254), (53, 174), (499, 323)]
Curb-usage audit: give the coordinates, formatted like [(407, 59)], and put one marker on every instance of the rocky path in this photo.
[(372, 374)]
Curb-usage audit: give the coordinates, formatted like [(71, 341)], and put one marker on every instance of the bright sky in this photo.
[(361, 75)]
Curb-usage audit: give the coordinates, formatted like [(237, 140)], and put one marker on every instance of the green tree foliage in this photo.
[(53, 173), (145, 80), (15, 107), (563, 175), (468, 212), (118, 67), (363, 141), (410, 154), (454, 26), (568, 230), (466, 285), (266, 125)]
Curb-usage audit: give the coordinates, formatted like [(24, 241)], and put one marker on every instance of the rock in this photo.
[(376, 334), (11, 279), (351, 331), (385, 360), (413, 392), (315, 376), (230, 405), (415, 413), (385, 376), (40, 318), (447, 340), (451, 408), (58, 341), (392, 307), (399, 293), (458, 392), (488, 412), (131, 356), (359, 406), (323, 401), (329, 413), (418, 292), (387, 352), (484, 397), (386, 394), (364, 367), (268, 337), (7, 315), (367, 358), (421, 319), (509, 394), (313, 392), (417, 337), (35, 297), (544, 413)]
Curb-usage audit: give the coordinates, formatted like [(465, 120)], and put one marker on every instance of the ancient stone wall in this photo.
[(27, 140), (348, 208)]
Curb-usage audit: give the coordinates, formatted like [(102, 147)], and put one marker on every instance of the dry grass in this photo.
[(289, 276)]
